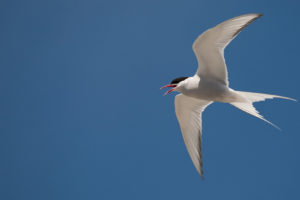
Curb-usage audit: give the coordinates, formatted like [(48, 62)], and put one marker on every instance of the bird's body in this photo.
[(210, 84), (208, 89)]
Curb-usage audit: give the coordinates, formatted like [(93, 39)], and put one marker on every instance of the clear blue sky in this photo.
[(82, 116)]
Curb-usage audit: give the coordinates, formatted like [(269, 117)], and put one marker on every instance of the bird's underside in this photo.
[(210, 83)]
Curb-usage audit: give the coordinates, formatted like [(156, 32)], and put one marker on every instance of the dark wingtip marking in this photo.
[(200, 157), (202, 177), (249, 22)]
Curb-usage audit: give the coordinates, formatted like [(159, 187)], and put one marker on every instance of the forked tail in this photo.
[(251, 97)]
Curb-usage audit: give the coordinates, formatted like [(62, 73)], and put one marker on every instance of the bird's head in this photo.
[(175, 83)]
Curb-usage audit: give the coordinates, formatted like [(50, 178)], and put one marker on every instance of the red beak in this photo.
[(169, 85)]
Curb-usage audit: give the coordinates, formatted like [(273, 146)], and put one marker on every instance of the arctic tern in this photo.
[(210, 84)]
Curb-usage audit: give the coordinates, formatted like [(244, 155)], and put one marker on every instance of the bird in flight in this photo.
[(210, 84)]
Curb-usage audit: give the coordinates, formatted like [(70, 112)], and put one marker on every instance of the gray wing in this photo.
[(188, 111), (209, 46)]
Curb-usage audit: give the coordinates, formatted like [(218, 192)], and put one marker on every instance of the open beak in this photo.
[(169, 85)]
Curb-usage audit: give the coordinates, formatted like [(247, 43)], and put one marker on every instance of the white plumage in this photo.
[(210, 83)]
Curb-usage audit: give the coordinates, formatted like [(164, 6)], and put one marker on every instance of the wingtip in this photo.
[(255, 14), (260, 14), (201, 174), (295, 100), (202, 177)]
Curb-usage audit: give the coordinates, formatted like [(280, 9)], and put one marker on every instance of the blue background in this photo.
[(82, 116)]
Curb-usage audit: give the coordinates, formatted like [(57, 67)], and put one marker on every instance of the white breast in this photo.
[(206, 89)]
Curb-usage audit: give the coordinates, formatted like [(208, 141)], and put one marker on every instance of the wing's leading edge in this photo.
[(209, 46)]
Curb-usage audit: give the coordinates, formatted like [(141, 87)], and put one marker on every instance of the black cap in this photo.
[(178, 80)]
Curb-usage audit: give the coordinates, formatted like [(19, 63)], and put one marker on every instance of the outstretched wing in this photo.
[(188, 111), (209, 46)]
